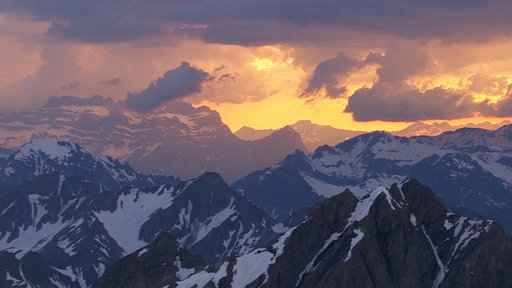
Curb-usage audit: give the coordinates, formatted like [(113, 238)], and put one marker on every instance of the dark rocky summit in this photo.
[(160, 264), (396, 237)]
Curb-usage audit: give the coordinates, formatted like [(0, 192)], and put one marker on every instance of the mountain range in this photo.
[(314, 135), (347, 214), (177, 139), (469, 169), (59, 216), (392, 237)]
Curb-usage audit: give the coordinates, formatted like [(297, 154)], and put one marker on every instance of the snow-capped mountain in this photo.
[(177, 139), (470, 169), (75, 228), (391, 237), (40, 157)]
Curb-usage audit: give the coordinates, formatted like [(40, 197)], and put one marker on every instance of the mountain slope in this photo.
[(396, 237)]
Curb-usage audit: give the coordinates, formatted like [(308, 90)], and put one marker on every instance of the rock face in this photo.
[(160, 264), (396, 237), (469, 169)]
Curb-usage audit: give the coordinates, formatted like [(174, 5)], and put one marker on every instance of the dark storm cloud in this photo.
[(391, 98), (246, 22), (327, 75), (401, 60), (91, 21), (380, 102), (104, 30), (180, 82)]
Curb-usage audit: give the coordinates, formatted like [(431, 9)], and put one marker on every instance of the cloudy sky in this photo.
[(266, 63)]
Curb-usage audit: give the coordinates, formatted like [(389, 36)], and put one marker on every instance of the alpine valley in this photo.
[(376, 210)]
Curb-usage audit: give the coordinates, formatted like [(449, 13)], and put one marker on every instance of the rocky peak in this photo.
[(397, 237)]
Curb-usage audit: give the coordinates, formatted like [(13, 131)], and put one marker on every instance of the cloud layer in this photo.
[(391, 60), (247, 22)]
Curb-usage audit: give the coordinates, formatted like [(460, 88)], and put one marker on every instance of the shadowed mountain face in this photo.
[(396, 237), (469, 169), (178, 139)]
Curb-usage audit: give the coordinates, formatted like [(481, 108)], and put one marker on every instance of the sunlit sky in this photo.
[(361, 65)]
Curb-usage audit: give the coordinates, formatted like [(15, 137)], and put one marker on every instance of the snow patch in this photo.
[(200, 279), (200, 230), (353, 243), (250, 266), (50, 148), (442, 269), (466, 230), (321, 188), (133, 210), (142, 251), (182, 273), (412, 218)]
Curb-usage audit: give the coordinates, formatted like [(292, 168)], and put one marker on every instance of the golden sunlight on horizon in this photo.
[(268, 114)]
